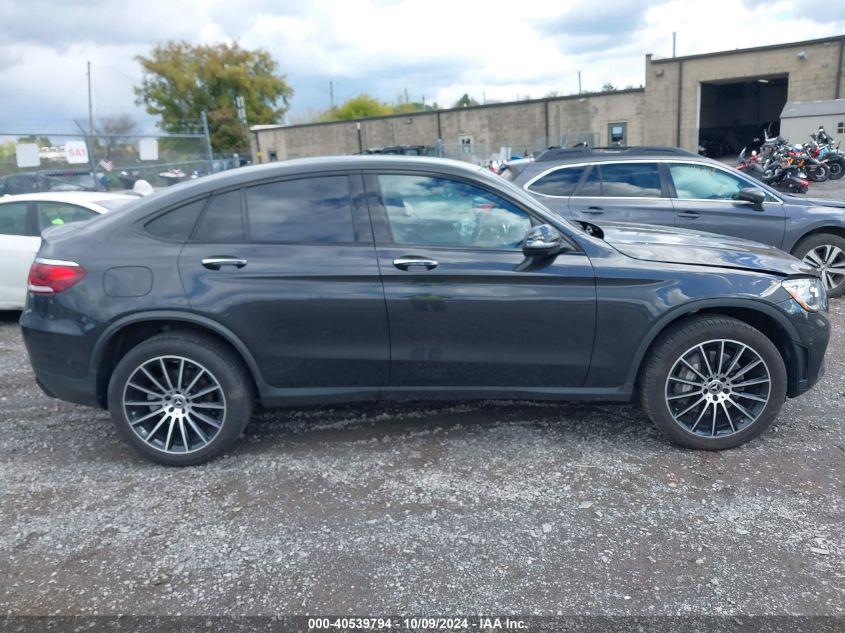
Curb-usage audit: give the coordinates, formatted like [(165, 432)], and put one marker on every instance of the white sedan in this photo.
[(22, 218)]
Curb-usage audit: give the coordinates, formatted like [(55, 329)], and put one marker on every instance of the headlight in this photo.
[(809, 292)]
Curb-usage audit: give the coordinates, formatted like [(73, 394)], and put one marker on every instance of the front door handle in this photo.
[(594, 210), (692, 215), (407, 263), (214, 263)]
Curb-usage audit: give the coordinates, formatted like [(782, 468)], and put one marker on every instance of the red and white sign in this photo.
[(76, 152)]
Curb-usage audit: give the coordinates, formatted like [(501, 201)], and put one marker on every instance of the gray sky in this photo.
[(433, 48)]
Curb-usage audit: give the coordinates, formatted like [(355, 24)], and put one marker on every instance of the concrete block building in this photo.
[(721, 101)]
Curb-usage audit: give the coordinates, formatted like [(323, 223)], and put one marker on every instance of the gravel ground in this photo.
[(485, 507)]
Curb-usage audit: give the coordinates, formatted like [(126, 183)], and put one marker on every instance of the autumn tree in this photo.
[(181, 80), (116, 130)]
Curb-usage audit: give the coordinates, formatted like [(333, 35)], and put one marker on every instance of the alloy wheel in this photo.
[(718, 388), (174, 404), (829, 260)]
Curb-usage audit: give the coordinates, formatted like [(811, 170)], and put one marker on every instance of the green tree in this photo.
[(465, 101), (181, 80), (608, 87), (359, 107)]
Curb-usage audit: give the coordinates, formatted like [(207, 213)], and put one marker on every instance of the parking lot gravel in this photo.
[(531, 508)]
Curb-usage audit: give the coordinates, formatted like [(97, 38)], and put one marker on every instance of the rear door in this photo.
[(623, 192), (553, 187), (704, 198), (290, 267), (19, 242), (466, 309)]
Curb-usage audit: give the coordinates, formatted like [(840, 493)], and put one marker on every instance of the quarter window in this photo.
[(178, 223), (435, 211), (13, 218), (702, 182), (306, 210), (223, 219), (560, 182)]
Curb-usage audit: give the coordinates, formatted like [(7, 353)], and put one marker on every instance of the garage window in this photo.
[(840, 127)]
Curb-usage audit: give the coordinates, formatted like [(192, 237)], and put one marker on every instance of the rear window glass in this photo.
[(178, 223), (631, 180), (223, 220), (306, 210), (560, 182)]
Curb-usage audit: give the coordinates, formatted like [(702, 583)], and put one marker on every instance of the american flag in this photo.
[(106, 164)]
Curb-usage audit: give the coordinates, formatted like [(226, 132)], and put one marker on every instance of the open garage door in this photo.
[(734, 113)]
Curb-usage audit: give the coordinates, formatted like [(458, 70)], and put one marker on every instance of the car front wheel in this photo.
[(713, 383), (826, 253), (179, 398)]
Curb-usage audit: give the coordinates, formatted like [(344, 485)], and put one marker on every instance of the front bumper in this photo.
[(805, 352)]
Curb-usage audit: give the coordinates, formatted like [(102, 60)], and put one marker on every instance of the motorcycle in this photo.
[(822, 149), (776, 169)]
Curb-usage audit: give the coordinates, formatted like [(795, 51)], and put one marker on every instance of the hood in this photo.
[(682, 246), (817, 202)]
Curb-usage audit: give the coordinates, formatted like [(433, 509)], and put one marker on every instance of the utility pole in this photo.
[(406, 96), (674, 39), (207, 140), (579, 82), (90, 108), (331, 95)]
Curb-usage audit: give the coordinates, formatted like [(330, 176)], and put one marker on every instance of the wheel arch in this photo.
[(125, 333), (839, 231), (761, 316)]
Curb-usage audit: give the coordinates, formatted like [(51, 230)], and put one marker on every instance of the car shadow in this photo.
[(10, 316)]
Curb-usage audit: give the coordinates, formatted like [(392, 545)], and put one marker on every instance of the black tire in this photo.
[(818, 173), (837, 168), (672, 345), (222, 368), (835, 283)]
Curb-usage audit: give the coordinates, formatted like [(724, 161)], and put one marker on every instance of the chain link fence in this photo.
[(31, 162)]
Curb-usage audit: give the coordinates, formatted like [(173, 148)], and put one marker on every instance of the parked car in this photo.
[(22, 218), (672, 187), (32, 182), (377, 277)]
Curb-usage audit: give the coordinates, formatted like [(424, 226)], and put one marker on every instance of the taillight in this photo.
[(48, 276)]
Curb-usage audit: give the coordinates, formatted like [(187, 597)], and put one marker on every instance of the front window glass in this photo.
[(702, 182), (434, 211), (13, 218)]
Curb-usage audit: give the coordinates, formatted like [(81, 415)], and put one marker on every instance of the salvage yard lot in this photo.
[(479, 507)]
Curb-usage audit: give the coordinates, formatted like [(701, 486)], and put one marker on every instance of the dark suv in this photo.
[(672, 187), (369, 277)]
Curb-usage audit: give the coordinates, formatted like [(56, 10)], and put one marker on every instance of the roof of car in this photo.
[(596, 154), (301, 166), (78, 197)]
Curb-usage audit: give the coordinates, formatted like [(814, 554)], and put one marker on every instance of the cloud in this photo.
[(438, 49)]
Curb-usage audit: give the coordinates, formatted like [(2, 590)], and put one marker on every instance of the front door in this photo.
[(464, 308), (623, 192), (290, 267), (705, 199), (19, 242)]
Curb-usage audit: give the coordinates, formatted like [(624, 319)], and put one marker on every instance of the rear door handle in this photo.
[(214, 263), (692, 215), (406, 263), (594, 210)]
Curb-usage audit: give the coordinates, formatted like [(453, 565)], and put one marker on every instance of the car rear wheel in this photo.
[(179, 398), (826, 253), (713, 383)]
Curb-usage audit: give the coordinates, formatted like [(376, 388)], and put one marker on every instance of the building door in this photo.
[(617, 134)]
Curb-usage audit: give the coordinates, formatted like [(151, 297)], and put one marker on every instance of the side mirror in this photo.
[(751, 194), (542, 241)]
